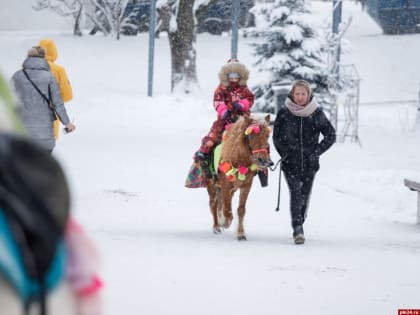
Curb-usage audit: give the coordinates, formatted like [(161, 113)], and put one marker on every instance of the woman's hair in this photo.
[(302, 83), (36, 51)]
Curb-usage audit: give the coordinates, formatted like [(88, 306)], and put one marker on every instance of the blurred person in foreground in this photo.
[(37, 234), (39, 99), (297, 128)]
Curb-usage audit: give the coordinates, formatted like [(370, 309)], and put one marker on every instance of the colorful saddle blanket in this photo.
[(197, 176)]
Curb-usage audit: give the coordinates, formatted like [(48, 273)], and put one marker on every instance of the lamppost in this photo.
[(337, 10), (235, 27), (151, 47)]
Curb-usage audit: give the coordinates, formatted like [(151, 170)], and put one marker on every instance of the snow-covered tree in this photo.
[(177, 19), (107, 16), (287, 47), (73, 8)]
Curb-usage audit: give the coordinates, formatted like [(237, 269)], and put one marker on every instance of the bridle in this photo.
[(257, 150), (253, 129)]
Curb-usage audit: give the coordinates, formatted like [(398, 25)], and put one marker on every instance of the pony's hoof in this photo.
[(217, 230), (241, 238)]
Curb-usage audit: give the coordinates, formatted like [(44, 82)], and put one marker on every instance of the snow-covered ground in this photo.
[(129, 157)]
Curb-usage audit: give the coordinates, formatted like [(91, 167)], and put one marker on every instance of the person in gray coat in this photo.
[(39, 99)]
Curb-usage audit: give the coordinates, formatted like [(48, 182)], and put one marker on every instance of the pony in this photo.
[(244, 151)]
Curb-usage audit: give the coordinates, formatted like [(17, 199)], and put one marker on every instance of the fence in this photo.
[(401, 115)]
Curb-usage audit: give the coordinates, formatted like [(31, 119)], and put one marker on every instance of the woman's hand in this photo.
[(70, 127)]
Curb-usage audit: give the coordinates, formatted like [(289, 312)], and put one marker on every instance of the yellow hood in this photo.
[(51, 52)]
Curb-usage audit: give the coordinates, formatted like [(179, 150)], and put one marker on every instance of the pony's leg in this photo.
[(213, 203), (243, 196), (227, 195), (219, 207)]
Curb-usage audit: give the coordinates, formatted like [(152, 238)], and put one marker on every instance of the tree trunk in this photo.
[(182, 43), (118, 28), (76, 30)]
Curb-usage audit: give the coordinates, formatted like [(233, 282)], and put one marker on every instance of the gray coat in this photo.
[(36, 115)]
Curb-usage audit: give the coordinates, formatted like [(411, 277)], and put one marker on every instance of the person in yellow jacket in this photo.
[(59, 73)]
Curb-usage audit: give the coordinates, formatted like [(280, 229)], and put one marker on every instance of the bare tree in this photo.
[(177, 19), (107, 16), (65, 8)]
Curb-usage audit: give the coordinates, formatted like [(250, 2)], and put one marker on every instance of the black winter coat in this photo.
[(296, 139)]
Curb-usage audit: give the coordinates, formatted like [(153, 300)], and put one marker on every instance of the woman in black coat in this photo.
[(296, 134)]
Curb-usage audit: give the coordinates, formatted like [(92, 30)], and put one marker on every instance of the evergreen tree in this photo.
[(287, 48)]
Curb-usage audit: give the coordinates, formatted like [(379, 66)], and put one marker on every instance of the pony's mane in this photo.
[(234, 147)]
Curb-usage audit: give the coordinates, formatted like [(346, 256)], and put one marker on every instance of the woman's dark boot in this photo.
[(298, 235)]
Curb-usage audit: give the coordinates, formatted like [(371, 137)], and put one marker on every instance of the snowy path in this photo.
[(160, 256)]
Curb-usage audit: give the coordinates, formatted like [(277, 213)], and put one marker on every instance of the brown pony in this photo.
[(244, 152)]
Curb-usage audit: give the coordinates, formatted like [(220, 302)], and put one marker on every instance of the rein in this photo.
[(275, 166)]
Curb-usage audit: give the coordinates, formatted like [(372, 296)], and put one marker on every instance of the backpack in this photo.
[(34, 208)]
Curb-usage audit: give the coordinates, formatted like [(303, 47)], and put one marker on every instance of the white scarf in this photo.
[(301, 111)]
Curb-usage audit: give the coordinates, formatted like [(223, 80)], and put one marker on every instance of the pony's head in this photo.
[(246, 142), (256, 137)]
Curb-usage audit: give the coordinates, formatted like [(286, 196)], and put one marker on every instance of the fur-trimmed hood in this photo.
[(233, 66)]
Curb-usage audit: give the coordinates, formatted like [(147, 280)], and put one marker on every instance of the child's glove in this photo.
[(241, 106), (222, 111), (237, 106)]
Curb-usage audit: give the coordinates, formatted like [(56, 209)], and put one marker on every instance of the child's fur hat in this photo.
[(233, 66)]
